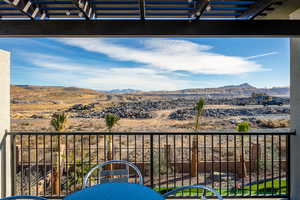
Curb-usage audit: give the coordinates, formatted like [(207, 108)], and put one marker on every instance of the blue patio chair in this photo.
[(204, 188), (24, 197), (111, 176)]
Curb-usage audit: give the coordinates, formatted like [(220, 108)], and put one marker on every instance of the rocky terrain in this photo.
[(32, 107), (184, 114)]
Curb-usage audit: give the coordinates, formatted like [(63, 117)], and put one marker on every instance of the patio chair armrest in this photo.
[(193, 186), (24, 197)]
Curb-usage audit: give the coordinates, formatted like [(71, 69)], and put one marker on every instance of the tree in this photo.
[(243, 127), (199, 110), (110, 121), (58, 122)]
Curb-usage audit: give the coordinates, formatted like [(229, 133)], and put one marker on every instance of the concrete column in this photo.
[(295, 111), (295, 117), (5, 175)]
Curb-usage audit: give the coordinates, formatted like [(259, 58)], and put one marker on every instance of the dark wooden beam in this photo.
[(199, 9), (85, 8), (132, 28), (256, 9), (26, 7), (142, 9)]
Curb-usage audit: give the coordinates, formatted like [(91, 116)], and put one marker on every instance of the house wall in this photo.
[(5, 184)]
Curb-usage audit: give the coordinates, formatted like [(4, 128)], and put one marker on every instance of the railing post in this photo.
[(13, 163), (151, 161), (288, 157)]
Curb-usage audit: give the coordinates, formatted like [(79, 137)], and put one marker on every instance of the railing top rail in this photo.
[(256, 132)]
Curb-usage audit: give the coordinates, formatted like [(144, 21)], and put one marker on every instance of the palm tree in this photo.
[(110, 121), (243, 127), (58, 122), (199, 110)]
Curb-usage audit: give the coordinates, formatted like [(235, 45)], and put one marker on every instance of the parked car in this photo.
[(273, 102)]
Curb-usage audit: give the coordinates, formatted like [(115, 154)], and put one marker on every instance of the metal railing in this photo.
[(250, 165)]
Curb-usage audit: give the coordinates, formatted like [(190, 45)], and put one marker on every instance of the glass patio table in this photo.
[(115, 191)]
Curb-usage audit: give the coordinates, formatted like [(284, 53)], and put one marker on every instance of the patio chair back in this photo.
[(117, 175), (205, 189)]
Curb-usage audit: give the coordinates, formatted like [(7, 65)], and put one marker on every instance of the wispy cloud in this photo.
[(262, 55), (68, 72), (170, 55)]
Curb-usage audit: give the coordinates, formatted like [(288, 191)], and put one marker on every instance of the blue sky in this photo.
[(148, 63)]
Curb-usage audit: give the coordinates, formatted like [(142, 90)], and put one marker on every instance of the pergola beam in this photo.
[(26, 7), (200, 7), (256, 9), (136, 28), (85, 8), (142, 9)]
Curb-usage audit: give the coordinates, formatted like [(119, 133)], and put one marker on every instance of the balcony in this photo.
[(238, 165)]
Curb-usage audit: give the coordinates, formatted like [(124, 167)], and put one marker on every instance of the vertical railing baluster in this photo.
[(235, 167), (51, 161), (204, 152), (279, 159), (265, 165), (120, 147), (90, 157), (174, 160), (197, 161), (257, 164), (74, 163), (143, 155), (67, 165), (227, 166), (14, 161), (151, 161), (243, 163), (81, 158), (220, 164), (128, 148), (288, 174), (22, 166), (104, 148), (135, 160), (272, 162), (212, 162), (250, 164), (29, 165), (182, 163), (159, 164), (36, 165), (97, 156), (59, 167), (44, 163), (190, 166), (167, 160)]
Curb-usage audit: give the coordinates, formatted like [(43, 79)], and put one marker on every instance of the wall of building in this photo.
[(4, 121)]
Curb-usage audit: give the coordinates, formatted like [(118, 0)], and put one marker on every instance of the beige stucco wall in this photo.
[(4, 120)]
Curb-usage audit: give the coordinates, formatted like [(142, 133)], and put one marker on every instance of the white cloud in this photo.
[(170, 55), (67, 72)]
